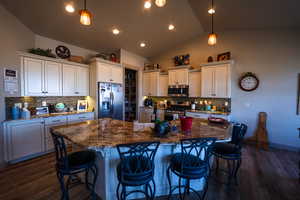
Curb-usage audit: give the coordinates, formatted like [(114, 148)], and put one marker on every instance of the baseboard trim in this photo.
[(284, 147)]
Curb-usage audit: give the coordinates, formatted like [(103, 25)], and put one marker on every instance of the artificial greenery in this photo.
[(42, 52)]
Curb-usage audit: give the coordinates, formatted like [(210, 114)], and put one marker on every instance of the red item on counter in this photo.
[(186, 123)]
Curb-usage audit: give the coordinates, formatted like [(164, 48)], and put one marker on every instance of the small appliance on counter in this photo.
[(148, 102), (178, 90), (51, 108)]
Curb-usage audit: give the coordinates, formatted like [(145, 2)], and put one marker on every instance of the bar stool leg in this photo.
[(64, 190)]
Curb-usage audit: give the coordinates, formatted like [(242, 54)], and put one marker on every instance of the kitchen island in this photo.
[(104, 134)]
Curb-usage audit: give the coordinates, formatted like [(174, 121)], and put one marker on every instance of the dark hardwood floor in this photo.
[(264, 175)]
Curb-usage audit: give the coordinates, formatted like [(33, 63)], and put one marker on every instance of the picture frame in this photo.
[(224, 56), (298, 96), (82, 105)]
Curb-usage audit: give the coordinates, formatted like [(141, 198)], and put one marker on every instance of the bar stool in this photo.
[(231, 151), (136, 168), (71, 165), (192, 163)]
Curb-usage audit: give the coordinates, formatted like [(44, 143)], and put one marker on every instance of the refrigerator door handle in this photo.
[(112, 102)]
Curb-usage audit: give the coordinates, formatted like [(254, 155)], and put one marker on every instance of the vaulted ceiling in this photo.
[(48, 18)]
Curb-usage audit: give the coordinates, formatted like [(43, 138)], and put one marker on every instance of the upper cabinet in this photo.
[(75, 80), (195, 84), (109, 72), (151, 83), (163, 85), (216, 80), (179, 76), (42, 76)]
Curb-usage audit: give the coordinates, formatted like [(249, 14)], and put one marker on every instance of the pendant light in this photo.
[(212, 37), (160, 3), (85, 16)]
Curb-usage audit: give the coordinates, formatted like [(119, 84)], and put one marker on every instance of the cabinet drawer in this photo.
[(80, 117), (56, 120)]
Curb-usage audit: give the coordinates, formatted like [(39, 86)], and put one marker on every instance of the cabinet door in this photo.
[(154, 81), (26, 139), (69, 80), (104, 72), (117, 74), (221, 81), (146, 84), (195, 84), (33, 74), (182, 76), (53, 83), (82, 81), (172, 77), (163, 85), (207, 81)]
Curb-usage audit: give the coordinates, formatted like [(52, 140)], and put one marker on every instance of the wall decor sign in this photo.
[(224, 56), (10, 81), (298, 100)]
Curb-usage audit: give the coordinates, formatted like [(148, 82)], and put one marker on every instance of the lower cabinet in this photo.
[(25, 139)]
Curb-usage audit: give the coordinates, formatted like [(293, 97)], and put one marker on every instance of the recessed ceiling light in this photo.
[(143, 44), (147, 4), (171, 27), (70, 8), (211, 11), (116, 31), (160, 3)]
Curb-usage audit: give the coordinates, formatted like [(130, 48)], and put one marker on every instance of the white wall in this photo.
[(274, 57), (14, 36), (48, 43)]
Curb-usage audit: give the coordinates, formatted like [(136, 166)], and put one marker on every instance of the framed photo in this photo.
[(82, 105), (224, 56), (298, 97)]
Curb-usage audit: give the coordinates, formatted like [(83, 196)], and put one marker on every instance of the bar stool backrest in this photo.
[(238, 133), (60, 151)]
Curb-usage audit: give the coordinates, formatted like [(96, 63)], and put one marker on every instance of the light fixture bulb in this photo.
[(143, 44), (171, 27), (160, 3), (147, 4), (116, 31), (85, 17), (70, 7), (212, 39), (211, 11)]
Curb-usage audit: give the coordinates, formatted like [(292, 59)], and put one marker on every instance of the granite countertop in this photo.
[(109, 133), (209, 112), (48, 115)]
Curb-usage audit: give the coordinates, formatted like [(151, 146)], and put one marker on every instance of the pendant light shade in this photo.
[(160, 3), (85, 16), (212, 39)]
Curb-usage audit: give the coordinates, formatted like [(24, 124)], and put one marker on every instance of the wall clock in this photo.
[(62, 52), (249, 82)]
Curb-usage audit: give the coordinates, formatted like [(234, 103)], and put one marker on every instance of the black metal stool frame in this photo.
[(238, 133), (63, 169), (195, 147), (143, 152)]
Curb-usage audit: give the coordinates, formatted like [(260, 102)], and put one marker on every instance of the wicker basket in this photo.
[(78, 59)]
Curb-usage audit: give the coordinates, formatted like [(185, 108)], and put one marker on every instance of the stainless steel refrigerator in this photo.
[(110, 100)]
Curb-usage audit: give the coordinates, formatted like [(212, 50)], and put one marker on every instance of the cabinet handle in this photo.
[(82, 117), (56, 120), (46, 92)]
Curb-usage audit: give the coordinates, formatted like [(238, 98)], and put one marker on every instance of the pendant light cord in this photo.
[(212, 17), (84, 4)]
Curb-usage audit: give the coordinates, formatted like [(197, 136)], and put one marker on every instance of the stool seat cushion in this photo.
[(226, 149), (188, 165), (135, 170), (81, 159)]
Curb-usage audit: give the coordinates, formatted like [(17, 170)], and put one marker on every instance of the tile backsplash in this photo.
[(34, 102)]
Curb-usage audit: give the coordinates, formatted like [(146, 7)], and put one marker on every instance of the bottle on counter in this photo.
[(15, 112), (25, 112)]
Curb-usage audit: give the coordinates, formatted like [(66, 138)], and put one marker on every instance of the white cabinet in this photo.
[(216, 81), (50, 122), (75, 80), (195, 84), (40, 78), (179, 76), (80, 117), (163, 85), (150, 83), (109, 72), (23, 139)]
